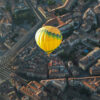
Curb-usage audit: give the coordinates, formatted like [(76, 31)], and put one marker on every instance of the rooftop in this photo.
[(90, 57)]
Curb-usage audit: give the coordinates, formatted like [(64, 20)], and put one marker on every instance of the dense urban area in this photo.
[(71, 72)]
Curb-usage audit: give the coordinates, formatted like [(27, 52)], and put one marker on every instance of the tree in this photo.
[(51, 2), (8, 6), (23, 15), (63, 1)]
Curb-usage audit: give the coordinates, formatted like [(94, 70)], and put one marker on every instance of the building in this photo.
[(25, 98), (95, 70), (67, 5), (17, 81), (34, 90), (54, 87), (20, 6), (44, 89), (95, 96), (73, 40), (85, 27), (94, 37), (2, 4), (76, 98), (72, 68), (34, 3), (33, 65), (89, 59), (35, 73), (59, 83), (65, 23), (5, 28), (6, 87), (97, 9), (57, 69), (13, 95), (88, 14), (97, 12), (67, 27), (90, 20), (90, 83)]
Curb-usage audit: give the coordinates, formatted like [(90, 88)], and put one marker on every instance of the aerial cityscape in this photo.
[(61, 64)]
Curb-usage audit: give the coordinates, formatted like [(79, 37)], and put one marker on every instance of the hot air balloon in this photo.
[(48, 38)]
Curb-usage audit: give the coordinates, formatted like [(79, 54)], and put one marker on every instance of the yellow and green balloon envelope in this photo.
[(48, 38)]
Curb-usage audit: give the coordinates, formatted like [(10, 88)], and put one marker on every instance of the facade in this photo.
[(89, 20), (57, 69), (33, 73), (89, 59), (90, 83), (73, 40), (59, 83), (67, 27), (67, 5), (97, 12), (95, 69), (34, 90), (5, 29), (72, 68), (6, 88)]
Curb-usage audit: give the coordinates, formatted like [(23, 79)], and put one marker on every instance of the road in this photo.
[(6, 59), (35, 10)]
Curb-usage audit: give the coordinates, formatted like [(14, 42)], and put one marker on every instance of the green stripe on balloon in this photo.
[(57, 36)]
